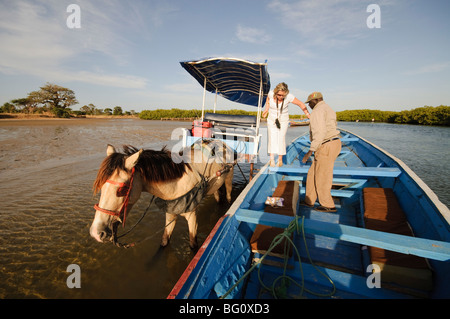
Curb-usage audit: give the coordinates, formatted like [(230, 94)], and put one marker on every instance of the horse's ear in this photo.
[(131, 161), (110, 150)]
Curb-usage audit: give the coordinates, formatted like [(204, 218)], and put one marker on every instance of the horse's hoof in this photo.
[(164, 243), (194, 246)]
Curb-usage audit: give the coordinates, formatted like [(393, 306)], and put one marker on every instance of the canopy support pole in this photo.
[(204, 97), (215, 102)]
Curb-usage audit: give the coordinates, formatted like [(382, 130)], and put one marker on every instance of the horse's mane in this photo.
[(154, 166)]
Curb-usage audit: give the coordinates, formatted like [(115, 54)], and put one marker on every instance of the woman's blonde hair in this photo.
[(281, 87)]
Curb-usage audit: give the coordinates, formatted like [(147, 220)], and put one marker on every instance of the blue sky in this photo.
[(126, 53)]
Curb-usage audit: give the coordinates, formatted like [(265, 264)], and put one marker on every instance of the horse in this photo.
[(178, 182)]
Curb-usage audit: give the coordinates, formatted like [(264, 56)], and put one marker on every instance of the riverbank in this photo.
[(24, 116), (427, 115)]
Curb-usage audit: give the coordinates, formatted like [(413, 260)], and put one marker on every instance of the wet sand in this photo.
[(32, 142)]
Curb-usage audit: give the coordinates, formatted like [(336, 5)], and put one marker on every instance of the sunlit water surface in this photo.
[(47, 168)]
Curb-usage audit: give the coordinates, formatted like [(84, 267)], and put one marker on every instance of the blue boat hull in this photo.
[(330, 258)]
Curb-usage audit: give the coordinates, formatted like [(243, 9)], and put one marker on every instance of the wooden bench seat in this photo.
[(264, 235), (382, 212)]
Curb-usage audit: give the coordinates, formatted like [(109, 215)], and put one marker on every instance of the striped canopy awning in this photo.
[(234, 79)]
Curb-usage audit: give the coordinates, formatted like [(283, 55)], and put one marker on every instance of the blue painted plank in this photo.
[(426, 248), (349, 139), (336, 193), (331, 251), (354, 171), (350, 283), (344, 139)]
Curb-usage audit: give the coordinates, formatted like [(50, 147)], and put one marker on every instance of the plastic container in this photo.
[(202, 129)]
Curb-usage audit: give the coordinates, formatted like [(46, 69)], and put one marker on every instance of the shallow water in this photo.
[(47, 168)]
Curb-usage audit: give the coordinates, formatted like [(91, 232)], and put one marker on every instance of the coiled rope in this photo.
[(280, 291)]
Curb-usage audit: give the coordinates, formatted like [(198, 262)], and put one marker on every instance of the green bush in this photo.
[(426, 115)]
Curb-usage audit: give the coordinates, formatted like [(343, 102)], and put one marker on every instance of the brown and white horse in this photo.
[(178, 182)]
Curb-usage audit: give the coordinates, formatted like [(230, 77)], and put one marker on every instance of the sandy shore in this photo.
[(30, 142), (13, 117), (56, 121)]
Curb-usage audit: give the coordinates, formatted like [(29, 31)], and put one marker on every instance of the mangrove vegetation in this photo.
[(56, 101), (427, 115)]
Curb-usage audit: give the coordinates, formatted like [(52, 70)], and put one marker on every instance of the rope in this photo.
[(140, 219), (115, 242), (286, 235), (121, 245)]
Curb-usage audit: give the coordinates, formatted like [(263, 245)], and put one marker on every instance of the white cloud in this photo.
[(326, 23), (192, 86), (29, 35), (114, 80), (430, 68), (36, 41), (280, 76), (252, 35)]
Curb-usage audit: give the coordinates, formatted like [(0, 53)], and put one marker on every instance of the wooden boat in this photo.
[(390, 237)]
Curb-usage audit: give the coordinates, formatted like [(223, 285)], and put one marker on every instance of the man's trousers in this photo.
[(320, 174)]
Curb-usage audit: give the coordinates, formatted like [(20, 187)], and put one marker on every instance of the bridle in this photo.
[(124, 189)]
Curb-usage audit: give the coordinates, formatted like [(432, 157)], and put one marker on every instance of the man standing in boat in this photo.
[(326, 145)]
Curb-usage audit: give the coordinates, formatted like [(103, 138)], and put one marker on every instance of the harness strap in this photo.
[(116, 183), (186, 202), (122, 214), (106, 211)]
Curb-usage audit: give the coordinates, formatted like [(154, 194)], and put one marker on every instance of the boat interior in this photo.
[(329, 254)]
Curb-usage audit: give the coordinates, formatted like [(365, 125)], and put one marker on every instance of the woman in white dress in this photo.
[(277, 104)]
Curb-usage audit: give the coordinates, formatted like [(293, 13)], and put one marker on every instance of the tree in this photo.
[(20, 104), (88, 109), (98, 112), (117, 111), (58, 99), (8, 108)]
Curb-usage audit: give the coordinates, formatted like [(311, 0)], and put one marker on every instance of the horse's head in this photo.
[(120, 188)]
